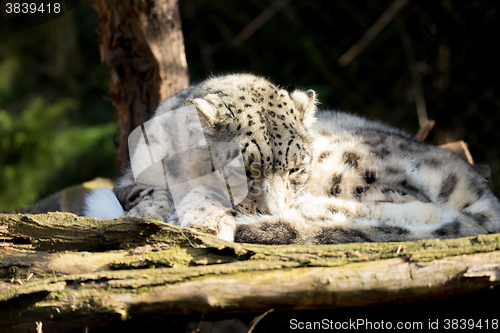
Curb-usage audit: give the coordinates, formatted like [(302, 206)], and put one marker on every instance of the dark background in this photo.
[(56, 119)]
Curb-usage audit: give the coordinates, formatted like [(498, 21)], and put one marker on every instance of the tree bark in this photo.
[(141, 42), (179, 272)]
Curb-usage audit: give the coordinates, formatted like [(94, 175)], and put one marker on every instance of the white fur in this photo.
[(102, 204)]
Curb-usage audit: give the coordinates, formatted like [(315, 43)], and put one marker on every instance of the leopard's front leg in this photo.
[(148, 203), (203, 207)]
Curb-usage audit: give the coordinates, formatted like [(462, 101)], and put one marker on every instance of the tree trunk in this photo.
[(141, 42), (176, 272)]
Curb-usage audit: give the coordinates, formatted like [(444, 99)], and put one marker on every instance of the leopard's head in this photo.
[(271, 128)]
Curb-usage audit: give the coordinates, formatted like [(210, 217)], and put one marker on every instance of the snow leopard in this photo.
[(313, 177)]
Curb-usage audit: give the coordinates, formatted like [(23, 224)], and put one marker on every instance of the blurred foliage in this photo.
[(42, 146), (55, 126), (67, 134)]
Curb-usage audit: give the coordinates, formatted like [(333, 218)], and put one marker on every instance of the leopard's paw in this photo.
[(199, 209)]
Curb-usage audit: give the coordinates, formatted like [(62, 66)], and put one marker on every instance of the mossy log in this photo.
[(69, 271)]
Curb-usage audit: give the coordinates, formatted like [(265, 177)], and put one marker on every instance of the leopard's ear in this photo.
[(208, 107), (306, 104)]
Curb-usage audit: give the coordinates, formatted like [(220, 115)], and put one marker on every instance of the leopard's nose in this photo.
[(271, 208), (272, 199), (273, 203)]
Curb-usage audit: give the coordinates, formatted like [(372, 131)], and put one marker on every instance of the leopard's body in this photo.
[(367, 181)]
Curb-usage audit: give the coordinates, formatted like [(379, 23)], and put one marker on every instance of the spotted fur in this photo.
[(370, 182)]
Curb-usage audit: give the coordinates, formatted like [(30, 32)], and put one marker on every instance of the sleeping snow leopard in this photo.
[(333, 178)]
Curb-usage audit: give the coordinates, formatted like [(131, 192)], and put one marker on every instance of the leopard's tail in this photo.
[(102, 204), (323, 220)]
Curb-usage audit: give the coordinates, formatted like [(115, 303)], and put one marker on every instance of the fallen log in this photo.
[(131, 268)]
